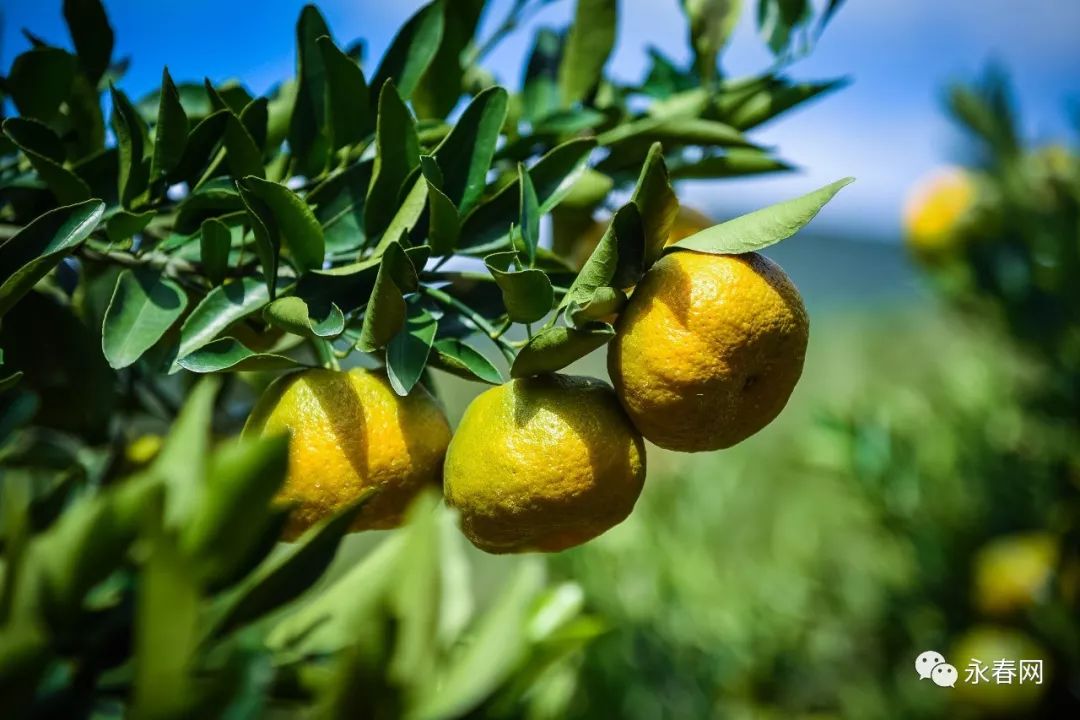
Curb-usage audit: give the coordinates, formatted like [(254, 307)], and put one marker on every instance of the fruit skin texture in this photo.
[(350, 432), (543, 463), (708, 349)]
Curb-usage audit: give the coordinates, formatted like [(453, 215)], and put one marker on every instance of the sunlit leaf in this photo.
[(385, 313), (349, 116), (407, 352), (294, 315), (144, 306), (590, 42), (657, 203), (554, 348), (459, 358), (466, 153), (411, 51), (527, 293), (397, 153)]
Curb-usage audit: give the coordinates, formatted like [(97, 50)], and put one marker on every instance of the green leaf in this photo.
[(307, 134), (243, 155), (122, 224), (529, 218), (144, 306), (556, 347), (215, 239), (286, 219), (287, 574), (675, 131), (91, 34), (617, 261), (31, 253), (777, 19), (39, 81), (734, 163), (407, 216), (444, 225), (459, 358), (711, 23), (43, 149), (385, 313), (407, 352), (347, 96), (230, 355), (293, 315), (201, 143), (497, 646), (527, 293), (339, 206), (221, 307), (656, 200), (86, 133), (411, 51), (10, 381), (465, 154), (588, 45), (761, 228), (255, 117), (605, 302), (183, 458), (441, 84), (780, 96), (397, 152), (540, 92), (166, 631), (235, 508), (130, 139), (553, 177)]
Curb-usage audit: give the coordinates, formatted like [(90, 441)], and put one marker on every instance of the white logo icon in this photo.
[(927, 661), (944, 675)]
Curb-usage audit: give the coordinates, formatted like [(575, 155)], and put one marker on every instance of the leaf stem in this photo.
[(324, 351), (477, 319)]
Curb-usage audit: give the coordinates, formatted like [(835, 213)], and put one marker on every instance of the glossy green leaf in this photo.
[(37, 248), (527, 293), (255, 117), (411, 51), (605, 302), (441, 85), (540, 94), (294, 315), (618, 260), (44, 150), (307, 129), (144, 306), (130, 139), (242, 154), (234, 510), (221, 307), (444, 225), (554, 348), (657, 203), (40, 80), (711, 24), (339, 207), (459, 358), (171, 131), (287, 574), (397, 153), (529, 217), (215, 240), (385, 313), (465, 154), (86, 133), (123, 224), (588, 46), (677, 131), (199, 149), (777, 98), (734, 163), (407, 352), (287, 220), (761, 228), (348, 99), (91, 34), (407, 216), (228, 354)]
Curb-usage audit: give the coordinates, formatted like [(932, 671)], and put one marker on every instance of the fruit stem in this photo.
[(477, 319), (324, 351)]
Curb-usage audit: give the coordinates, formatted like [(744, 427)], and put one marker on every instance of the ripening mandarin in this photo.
[(349, 431), (935, 210)]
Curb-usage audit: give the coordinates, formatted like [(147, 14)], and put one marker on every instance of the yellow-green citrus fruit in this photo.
[(988, 644), (1012, 573), (543, 463), (708, 349), (349, 431), (935, 210), (143, 449)]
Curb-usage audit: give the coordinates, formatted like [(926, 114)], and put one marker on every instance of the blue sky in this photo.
[(886, 128)]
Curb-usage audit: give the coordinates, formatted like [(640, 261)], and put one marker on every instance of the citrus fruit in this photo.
[(935, 210), (543, 463), (987, 644), (1011, 573), (349, 431), (708, 349)]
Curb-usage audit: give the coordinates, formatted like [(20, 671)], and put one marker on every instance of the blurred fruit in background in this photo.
[(1013, 572), (935, 210)]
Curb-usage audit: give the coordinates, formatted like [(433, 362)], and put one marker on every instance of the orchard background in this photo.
[(918, 492)]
